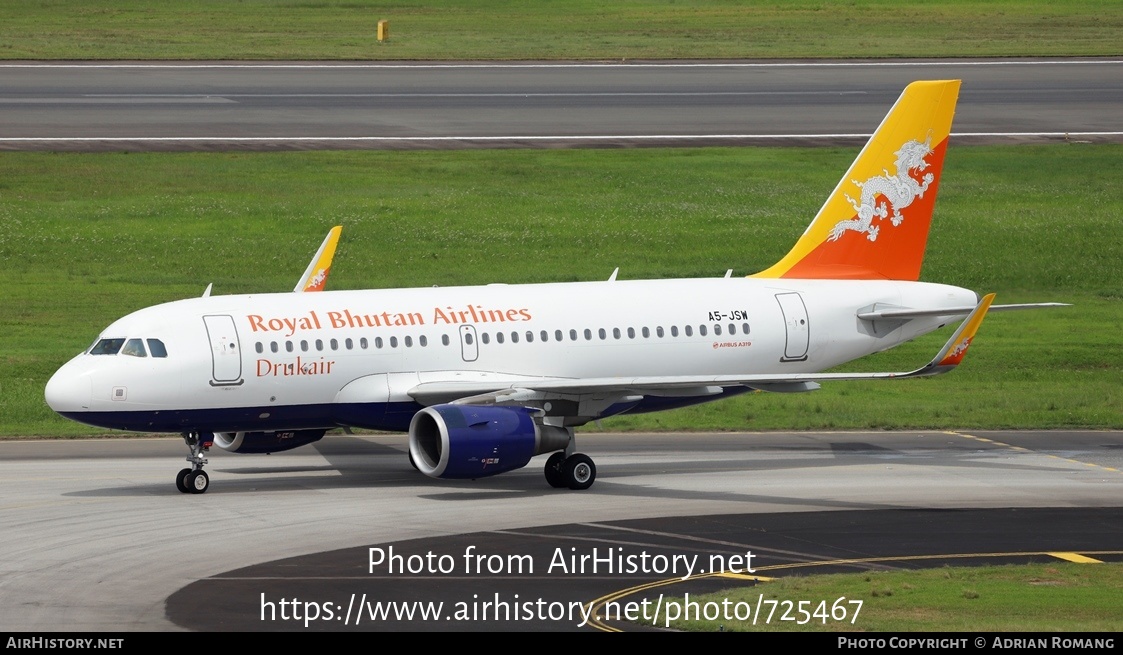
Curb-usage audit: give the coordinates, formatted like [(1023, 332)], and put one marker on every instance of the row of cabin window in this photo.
[(602, 333), (500, 337), (348, 343)]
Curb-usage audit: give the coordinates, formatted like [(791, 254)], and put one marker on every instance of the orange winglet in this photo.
[(316, 275), (956, 349)]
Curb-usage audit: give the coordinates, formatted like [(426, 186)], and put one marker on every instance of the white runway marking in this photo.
[(411, 66), (600, 137)]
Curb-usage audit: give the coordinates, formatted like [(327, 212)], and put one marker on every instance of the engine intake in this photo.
[(469, 441)]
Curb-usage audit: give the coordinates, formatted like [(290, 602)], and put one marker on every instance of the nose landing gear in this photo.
[(194, 480)]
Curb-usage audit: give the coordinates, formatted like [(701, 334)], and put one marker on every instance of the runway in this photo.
[(206, 106), (97, 537)]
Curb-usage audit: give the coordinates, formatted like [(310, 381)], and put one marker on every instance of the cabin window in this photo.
[(658, 332), (378, 342), (701, 330), (156, 347), (602, 334), (334, 344), (717, 330), (546, 335), (444, 339), (257, 346), (288, 346), (363, 343), (689, 330), (348, 343), (744, 328), (107, 347), (423, 340), (646, 333), (319, 344), (468, 338), (134, 348), (485, 338), (409, 342), (393, 342), (558, 336), (498, 337), (732, 329), (615, 333), (674, 330), (573, 335), (514, 337), (588, 334), (529, 336), (273, 346), (304, 345)]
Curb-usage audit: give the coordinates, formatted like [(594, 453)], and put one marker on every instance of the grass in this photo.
[(1060, 597), (87, 238), (560, 29)]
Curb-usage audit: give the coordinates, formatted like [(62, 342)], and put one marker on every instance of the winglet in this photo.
[(955, 349), (875, 223), (316, 275)]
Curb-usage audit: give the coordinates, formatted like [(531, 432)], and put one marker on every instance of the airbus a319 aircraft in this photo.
[(484, 378)]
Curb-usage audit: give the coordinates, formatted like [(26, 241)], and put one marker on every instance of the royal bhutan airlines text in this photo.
[(290, 325)]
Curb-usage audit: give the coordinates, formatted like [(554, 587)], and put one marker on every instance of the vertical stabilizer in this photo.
[(875, 223)]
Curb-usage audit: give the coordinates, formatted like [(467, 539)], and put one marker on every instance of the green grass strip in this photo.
[(87, 238), (562, 29), (1061, 597)]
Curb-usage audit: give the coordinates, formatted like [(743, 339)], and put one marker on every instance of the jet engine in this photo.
[(265, 442), (470, 441)]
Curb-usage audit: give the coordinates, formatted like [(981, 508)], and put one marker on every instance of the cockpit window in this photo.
[(107, 347), (156, 347), (134, 348)]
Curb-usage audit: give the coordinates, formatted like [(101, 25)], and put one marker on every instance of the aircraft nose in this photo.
[(68, 391)]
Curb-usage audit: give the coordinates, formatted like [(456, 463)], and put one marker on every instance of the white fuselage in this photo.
[(304, 360)]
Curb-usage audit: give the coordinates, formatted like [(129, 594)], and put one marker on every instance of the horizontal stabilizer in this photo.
[(898, 313)]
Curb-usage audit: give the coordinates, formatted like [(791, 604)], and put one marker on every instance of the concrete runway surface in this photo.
[(231, 105), (96, 536)]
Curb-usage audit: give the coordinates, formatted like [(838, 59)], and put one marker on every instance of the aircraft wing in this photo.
[(493, 389)]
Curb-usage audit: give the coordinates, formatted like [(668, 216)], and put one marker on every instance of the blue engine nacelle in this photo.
[(265, 442), (470, 441)]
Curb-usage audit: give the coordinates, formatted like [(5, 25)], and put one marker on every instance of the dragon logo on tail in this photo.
[(898, 190)]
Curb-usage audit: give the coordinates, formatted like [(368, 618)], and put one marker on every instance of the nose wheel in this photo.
[(194, 480)]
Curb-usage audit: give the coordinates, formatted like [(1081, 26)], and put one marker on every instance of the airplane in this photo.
[(484, 378)]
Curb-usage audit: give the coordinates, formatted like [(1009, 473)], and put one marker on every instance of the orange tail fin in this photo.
[(875, 223)]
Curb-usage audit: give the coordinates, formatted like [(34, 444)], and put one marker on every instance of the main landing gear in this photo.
[(566, 468), (194, 480)]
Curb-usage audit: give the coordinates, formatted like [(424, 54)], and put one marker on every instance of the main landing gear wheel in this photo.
[(197, 481), (554, 470), (179, 481), (579, 472)]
